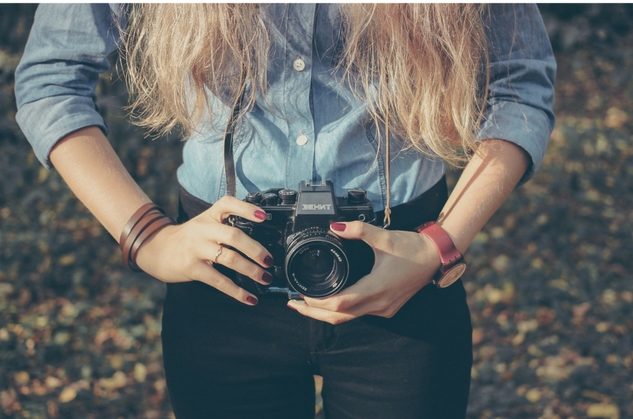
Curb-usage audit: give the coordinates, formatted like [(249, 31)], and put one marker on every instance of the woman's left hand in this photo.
[(405, 262)]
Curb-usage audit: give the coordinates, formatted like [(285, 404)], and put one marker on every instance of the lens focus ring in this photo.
[(316, 264)]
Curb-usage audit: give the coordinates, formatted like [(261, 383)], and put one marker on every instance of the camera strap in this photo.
[(229, 165), (387, 218)]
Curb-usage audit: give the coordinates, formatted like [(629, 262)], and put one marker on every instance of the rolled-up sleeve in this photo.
[(55, 82), (522, 73)]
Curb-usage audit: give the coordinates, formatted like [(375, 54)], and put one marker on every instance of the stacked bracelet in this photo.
[(144, 223)]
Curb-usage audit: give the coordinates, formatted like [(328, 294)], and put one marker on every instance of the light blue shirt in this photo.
[(309, 126)]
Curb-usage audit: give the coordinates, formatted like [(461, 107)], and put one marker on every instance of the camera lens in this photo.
[(316, 265)]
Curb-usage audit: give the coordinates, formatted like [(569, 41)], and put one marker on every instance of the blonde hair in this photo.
[(418, 66)]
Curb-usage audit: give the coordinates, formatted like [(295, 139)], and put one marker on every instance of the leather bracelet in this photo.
[(149, 217), (148, 232), (135, 218), (134, 237), (145, 222), (141, 223)]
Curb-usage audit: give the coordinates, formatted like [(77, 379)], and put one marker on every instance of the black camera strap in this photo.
[(229, 164)]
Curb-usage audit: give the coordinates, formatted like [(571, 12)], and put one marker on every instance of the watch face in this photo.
[(451, 275)]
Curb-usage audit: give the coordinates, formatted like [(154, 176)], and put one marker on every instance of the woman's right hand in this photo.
[(187, 252)]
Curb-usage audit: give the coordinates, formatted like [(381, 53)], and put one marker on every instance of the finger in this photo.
[(241, 241), (323, 315), (377, 305), (370, 295), (206, 274), (229, 205), (352, 299), (343, 303), (232, 259), (359, 230)]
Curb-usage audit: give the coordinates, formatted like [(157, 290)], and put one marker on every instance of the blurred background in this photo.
[(550, 287)]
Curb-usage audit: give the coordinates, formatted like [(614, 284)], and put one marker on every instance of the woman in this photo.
[(373, 97)]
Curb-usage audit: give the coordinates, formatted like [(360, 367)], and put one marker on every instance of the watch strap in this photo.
[(449, 255)]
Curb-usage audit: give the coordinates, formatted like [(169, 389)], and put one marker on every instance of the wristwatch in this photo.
[(452, 262)]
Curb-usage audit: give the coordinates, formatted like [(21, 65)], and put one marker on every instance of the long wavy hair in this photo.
[(418, 66)]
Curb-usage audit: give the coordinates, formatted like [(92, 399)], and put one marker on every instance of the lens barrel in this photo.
[(316, 264)]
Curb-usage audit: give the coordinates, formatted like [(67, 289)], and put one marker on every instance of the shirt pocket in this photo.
[(348, 155), (259, 151), (411, 173)]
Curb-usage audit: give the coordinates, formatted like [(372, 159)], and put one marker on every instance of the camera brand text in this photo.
[(317, 207)]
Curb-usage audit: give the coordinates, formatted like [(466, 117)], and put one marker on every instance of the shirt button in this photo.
[(299, 64), (302, 139)]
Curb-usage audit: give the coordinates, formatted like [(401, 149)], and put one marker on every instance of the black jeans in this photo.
[(224, 359)]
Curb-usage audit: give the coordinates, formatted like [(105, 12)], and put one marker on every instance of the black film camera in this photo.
[(309, 260)]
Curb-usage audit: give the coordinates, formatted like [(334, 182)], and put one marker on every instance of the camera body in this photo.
[(309, 259)]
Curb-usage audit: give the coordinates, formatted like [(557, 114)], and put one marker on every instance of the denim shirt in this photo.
[(309, 126)]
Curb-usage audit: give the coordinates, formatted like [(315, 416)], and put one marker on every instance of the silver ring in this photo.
[(217, 255)]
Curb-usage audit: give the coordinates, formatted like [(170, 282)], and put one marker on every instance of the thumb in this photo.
[(358, 230)]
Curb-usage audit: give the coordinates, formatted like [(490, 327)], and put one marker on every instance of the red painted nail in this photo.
[(260, 214), (268, 261), (338, 226), (267, 277), (251, 299)]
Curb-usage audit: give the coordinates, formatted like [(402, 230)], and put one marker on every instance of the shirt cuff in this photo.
[(48, 120), (523, 125)]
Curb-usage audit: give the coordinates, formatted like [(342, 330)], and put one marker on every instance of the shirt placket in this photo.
[(296, 95)]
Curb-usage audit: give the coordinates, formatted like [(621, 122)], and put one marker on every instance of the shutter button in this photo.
[(302, 139), (299, 64)]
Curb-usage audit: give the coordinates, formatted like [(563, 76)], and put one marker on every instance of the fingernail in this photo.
[(260, 214), (268, 260), (251, 299), (338, 226), (291, 305), (267, 277)]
